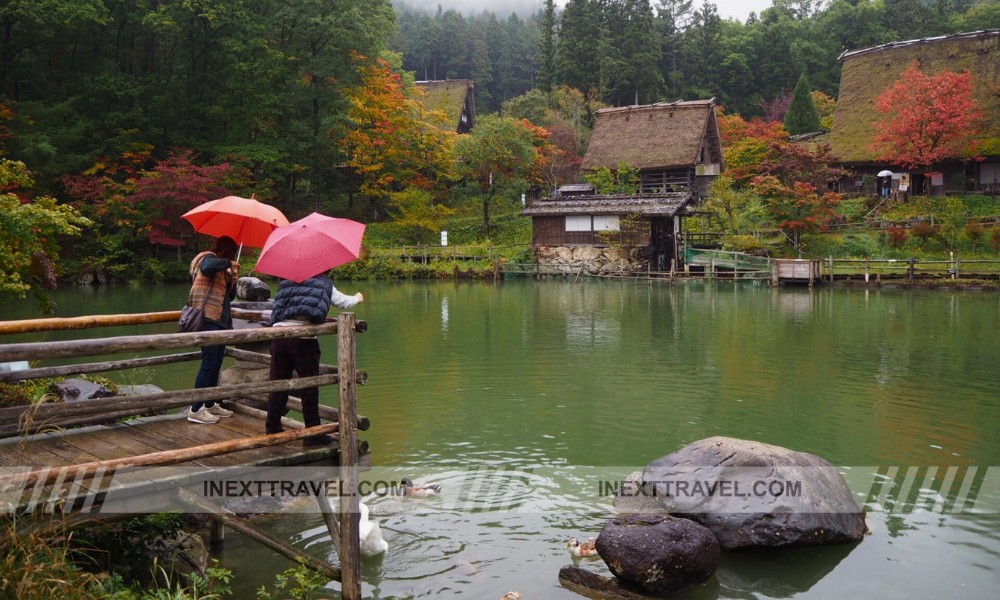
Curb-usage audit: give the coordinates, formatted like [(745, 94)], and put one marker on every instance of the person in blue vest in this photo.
[(298, 304)]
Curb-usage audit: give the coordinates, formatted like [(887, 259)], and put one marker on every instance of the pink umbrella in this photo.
[(310, 246), (246, 220)]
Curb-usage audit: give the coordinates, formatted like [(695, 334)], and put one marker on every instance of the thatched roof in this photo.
[(654, 136), (869, 72), (452, 97), (650, 205)]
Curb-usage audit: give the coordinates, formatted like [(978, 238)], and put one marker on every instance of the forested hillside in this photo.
[(641, 51), (116, 117)]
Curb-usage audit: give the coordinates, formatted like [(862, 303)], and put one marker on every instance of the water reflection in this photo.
[(548, 378)]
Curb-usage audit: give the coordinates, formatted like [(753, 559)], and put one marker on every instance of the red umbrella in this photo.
[(310, 246), (246, 220)]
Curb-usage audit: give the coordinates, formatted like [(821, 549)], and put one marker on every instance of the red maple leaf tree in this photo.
[(928, 119)]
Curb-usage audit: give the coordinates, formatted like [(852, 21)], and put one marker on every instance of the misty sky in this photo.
[(728, 9)]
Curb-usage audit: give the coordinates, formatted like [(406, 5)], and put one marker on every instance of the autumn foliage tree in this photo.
[(928, 119), (797, 207), (168, 190), (502, 157), (391, 140), (747, 144)]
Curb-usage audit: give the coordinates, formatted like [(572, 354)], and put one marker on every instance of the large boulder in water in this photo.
[(753, 494), (657, 553)]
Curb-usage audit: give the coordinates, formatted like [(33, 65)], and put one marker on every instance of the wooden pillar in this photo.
[(216, 533), (350, 545)]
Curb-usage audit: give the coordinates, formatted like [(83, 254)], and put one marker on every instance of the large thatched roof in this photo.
[(655, 136), (659, 205), (869, 72), (452, 97)]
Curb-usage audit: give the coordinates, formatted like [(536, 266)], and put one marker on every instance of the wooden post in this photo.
[(913, 263), (350, 544), (255, 534), (867, 265), (216, 533)]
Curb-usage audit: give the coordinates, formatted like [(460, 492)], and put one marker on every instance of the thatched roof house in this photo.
[(678, 151), (867, 73), (455, 98), (675, 146)]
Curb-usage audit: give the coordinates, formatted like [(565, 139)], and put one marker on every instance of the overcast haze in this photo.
[(728, 9)]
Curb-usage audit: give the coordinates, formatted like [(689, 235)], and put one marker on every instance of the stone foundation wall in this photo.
[(595, 261)]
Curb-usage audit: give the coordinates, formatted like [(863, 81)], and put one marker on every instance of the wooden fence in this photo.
[(23, 421)]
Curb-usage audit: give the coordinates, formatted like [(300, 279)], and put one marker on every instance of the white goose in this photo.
[(370, 534)]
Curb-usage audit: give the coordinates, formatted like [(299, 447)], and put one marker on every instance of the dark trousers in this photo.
[(302, 357), (211, 366)]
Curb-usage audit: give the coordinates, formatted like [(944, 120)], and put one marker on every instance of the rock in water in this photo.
[(754, 494), (657, 553)]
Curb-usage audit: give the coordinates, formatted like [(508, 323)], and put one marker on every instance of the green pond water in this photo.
[(526, 399)]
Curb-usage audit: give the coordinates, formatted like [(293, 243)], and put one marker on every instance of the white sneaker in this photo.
[(203, 416), (217, 410)]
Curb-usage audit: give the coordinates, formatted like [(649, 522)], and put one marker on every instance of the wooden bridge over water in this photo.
[(66, 463)]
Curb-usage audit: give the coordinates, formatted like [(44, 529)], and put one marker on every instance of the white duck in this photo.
[(584, 550), (370, 534)]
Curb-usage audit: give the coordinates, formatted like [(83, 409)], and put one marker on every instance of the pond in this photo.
[(526, 399)]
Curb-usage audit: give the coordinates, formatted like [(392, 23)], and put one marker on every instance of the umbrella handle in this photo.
[(238, 252)]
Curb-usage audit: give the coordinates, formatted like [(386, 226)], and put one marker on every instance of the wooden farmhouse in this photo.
[(676, 148), (456, 98), (867, 73)]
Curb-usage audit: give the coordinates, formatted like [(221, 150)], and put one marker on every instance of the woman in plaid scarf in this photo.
[(214, 274)]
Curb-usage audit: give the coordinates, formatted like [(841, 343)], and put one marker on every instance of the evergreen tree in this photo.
[(577, 52), (673, 17), (641, 81), (547, 48), (802, 116)]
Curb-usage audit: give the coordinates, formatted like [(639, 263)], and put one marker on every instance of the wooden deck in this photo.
[(138, 489), (107, 458)]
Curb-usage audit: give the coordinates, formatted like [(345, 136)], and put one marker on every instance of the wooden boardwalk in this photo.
[(59, 486), (71, 462)]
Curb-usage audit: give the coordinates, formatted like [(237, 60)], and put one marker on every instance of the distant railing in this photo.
[(426, 253)]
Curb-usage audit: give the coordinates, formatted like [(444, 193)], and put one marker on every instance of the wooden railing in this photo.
[(46, 416)]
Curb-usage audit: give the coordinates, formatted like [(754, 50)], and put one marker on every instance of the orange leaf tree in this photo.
[(392, 141), (798, 207), (928, 119), (748, 144)]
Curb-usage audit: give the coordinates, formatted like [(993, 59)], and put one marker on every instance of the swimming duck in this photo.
[(512, 595), (370, 534), (584, 550), (406, 487)]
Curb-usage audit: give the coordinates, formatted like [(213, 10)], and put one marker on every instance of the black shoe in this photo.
[(317, 440)]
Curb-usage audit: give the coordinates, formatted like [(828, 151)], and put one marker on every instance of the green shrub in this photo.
[(860, 245), (743, 243)]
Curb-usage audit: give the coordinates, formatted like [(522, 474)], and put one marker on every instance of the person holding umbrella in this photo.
[(234, 222), (213, 274), (301, 253), (297, 304)]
